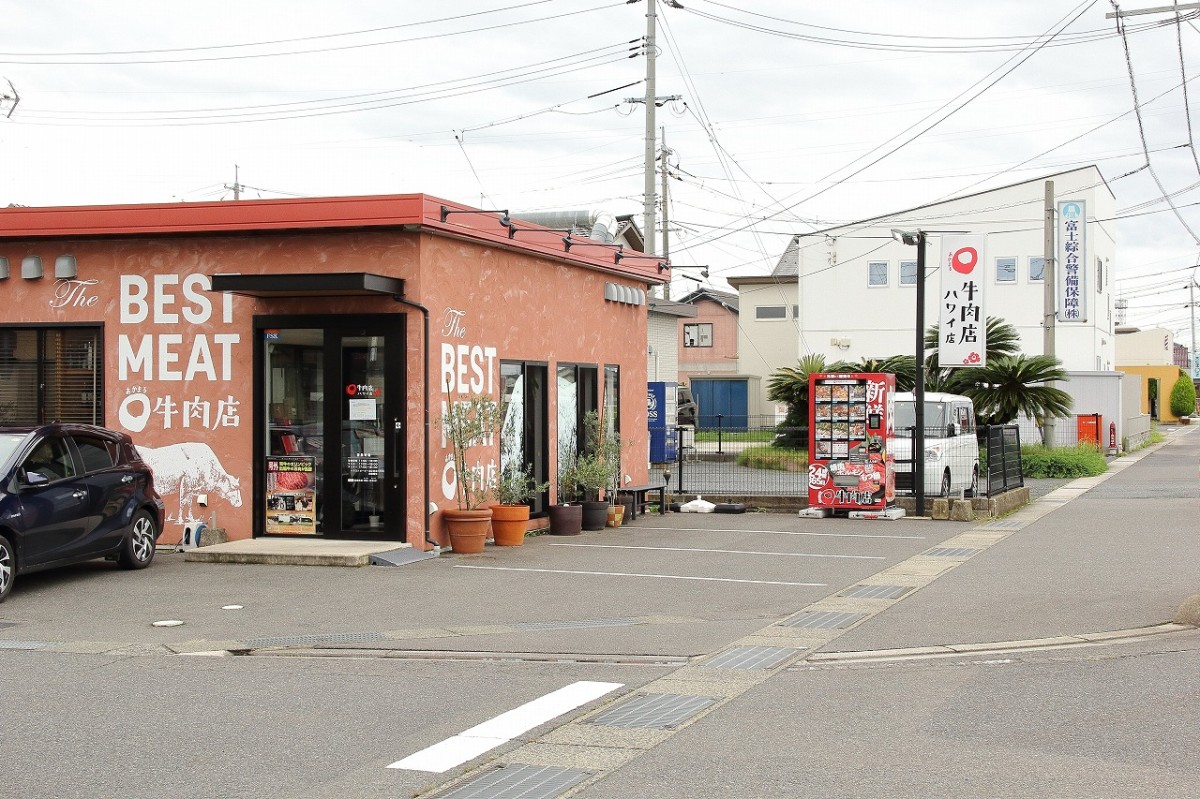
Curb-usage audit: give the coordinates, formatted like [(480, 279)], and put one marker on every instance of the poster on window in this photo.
[(291, 495), (962, 320)]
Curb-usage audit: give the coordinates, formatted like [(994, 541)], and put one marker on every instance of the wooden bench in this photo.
[(641, 497)]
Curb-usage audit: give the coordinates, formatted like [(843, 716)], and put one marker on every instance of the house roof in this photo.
[(724, 298), (670, 307), (403, 211)]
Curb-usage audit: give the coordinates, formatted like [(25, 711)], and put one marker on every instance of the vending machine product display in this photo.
[(850, 430)]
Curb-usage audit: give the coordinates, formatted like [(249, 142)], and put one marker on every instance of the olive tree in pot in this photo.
[(511, 516), (468, 424), (566, 517), (597, 471)]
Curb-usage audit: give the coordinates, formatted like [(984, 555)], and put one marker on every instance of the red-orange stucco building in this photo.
[(283, 364)]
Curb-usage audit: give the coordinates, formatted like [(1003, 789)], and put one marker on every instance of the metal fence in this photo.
[(759, 457)]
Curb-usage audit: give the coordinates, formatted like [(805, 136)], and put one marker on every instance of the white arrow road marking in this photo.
[(468, 744)]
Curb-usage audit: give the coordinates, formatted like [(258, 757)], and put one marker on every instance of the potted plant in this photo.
[(510, 517), (468, 424), (597, 471), (566, 517)]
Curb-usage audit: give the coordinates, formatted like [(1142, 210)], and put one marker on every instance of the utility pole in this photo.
[(236, 187), (1049, 309), (13, 98), (649, 200), (666, 248)]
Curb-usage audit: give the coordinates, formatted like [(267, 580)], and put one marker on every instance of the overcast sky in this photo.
[(792, 115)]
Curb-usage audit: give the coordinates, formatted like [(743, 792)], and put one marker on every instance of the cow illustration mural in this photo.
[(190, 468)]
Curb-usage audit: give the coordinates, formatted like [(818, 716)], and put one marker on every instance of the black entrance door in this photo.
[(334, 460)]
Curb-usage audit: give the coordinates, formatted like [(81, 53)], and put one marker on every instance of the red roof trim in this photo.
[(321, 213)]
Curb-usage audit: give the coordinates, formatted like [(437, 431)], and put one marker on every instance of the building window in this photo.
[(795, 311), (770, 312), (908, 273), (877, 273), (1037, 270), (49, 374), (1099, 276), (1006, 270), (698, 335)]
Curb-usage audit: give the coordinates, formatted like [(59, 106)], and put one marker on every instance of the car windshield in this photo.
[(904, 419), (9, 442)]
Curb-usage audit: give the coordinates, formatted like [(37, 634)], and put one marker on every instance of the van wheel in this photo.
[(973, 489), (8, 567), (945, 484)]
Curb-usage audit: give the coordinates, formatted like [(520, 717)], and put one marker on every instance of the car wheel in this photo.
[(945, 492), (139, 544), (973, 489), (8, 568)]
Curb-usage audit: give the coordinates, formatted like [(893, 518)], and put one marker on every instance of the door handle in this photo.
[(78, 494), (397, 443), (127, 478)]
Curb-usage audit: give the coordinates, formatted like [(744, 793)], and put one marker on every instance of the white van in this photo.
[(951, 448)]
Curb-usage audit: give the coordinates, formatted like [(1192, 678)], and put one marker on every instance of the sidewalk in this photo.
[(1113, 552)]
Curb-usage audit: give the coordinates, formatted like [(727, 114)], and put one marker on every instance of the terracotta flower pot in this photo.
[(467, 529), (508, 524)]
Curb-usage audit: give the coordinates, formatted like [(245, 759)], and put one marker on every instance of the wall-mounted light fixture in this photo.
[(31, 267), (703, 269), (65, 267), (3, 267), (504, 220)]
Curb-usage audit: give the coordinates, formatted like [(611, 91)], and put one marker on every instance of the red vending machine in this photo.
[(850, 457)]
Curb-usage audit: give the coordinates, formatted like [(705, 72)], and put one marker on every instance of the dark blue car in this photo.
[(73, 492)]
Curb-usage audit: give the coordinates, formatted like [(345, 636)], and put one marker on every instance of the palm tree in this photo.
[(789, 385), (904, 367), (1002, 339), (1011, 385)]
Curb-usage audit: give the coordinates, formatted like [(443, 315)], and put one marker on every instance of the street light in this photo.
[(917, 239)]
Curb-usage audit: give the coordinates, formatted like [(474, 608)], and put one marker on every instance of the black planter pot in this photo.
[(566, 519), (595, 515)]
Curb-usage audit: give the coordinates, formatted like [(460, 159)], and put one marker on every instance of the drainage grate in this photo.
[(297, 640), (750, 657), (1003, 525), (4, 624), (823, 620), (575, 625), (24, 644), (951, 552), (518, 781), (876, 592), (660, 711)]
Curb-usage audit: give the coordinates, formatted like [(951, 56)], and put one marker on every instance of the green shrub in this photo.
[(782, 460), (1183, 396), (1084, 460)]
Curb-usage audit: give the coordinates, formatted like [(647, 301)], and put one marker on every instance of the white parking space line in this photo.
[(723, 551), (636, 574), (789, 532), (469, 744)]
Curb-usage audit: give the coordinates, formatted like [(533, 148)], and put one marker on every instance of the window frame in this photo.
[(698, 337), (758, 313), (887, 268), (912, 283), (1029, 269), (996, 264)]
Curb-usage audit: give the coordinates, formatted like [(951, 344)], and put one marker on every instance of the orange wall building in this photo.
[(283, 365)]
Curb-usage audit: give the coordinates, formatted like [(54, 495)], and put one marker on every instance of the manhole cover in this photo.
[(951, 552), (519, 782), (823, 620), (660, 711), (876, 592), (750, 657)]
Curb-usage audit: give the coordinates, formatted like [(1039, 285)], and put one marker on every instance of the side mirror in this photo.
[(35, 479)]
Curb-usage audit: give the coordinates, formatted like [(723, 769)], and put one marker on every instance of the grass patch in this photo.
[(781, 460), (1084, 460)]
